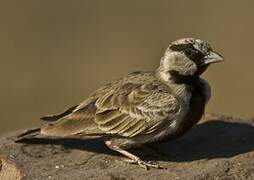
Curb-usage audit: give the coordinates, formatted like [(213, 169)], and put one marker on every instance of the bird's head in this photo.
[(187, 58)]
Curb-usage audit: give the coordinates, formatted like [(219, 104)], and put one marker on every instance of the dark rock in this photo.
[(217, 148)]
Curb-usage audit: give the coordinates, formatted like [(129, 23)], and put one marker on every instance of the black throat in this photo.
[(188, 80)]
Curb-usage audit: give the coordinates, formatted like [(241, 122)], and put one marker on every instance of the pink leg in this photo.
[(132, 157)]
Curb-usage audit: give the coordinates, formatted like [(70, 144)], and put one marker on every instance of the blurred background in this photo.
[(54, 53)]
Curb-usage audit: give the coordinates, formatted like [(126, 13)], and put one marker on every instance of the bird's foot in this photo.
[(144, 164), (133, 159)]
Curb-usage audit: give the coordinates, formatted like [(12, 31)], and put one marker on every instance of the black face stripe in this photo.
[(181, 47), (190, 51)]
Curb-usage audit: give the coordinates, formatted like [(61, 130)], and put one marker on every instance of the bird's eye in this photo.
[(189, 52), (194, 55)]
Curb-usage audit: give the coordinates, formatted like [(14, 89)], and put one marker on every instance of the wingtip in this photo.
[(58, 116), (27, 133), (49, 118)]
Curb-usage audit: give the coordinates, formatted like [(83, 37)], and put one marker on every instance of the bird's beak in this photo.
[(213, 57)]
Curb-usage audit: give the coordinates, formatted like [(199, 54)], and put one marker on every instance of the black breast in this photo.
[(197, 108), (197, 104)]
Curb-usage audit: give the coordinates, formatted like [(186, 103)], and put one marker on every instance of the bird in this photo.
[(144, 107)]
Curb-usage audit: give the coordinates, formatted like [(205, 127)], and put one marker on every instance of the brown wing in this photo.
[(81, 120), (136, 104), (135, 109)]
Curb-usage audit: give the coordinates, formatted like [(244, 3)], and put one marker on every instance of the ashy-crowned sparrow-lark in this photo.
[(143, 107)]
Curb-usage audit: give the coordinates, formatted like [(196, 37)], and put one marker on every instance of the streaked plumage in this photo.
[(143, 107)]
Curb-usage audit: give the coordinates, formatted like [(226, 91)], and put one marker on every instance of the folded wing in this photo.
[(135, 109), (126, 108)]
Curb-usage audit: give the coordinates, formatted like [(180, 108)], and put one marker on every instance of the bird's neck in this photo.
[(180, 90), (174, 77), (163, 75)]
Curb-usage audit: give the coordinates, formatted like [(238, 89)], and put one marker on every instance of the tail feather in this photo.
[(28, 134), (58, 116)]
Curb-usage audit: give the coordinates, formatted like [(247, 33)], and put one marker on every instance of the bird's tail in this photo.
[(50, 118), (28, 134), (56, 117)]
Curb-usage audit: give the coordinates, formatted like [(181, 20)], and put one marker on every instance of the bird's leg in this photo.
[(132, 158)]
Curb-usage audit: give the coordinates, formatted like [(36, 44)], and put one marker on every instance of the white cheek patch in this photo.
[(165, 76), (177, 61), (167, 60)]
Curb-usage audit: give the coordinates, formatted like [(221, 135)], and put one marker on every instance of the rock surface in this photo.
[(217, 148)]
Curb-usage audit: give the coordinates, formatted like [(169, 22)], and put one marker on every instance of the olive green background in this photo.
[(54, 52)]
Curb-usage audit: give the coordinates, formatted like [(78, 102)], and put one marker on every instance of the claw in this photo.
[(146, 165)]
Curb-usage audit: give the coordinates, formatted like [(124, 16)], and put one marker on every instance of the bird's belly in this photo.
[(169, 129), (183, 122), (191, 113)]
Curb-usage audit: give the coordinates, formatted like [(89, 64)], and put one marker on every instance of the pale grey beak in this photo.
[(213, 57)]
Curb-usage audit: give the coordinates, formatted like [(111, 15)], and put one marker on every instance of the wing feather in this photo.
[(140, 109)]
